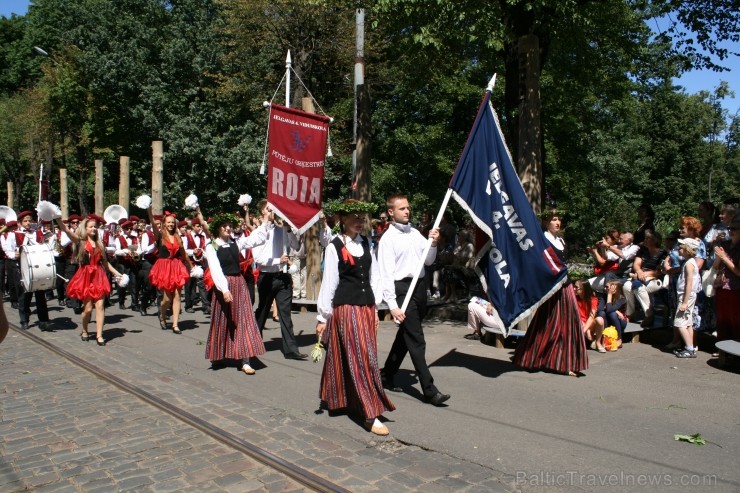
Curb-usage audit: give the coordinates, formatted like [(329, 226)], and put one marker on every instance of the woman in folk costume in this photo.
[(90, 282), (554, 339), (168, 273), (234, 334), (348, 321)]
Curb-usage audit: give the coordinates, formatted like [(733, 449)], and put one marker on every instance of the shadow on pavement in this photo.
[(487, 367)]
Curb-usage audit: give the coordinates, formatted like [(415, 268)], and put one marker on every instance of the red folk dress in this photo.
[(90, 281), (168, 272)]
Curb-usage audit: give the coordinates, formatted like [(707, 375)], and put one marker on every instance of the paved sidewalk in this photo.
[(503, 430), (64, 430)]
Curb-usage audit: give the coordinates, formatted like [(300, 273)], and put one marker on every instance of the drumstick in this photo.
[(62, 278)]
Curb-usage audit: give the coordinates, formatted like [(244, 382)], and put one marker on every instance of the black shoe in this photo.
[(24, 326), (134, 308), (78, 311), (207, 311), (296, 355), (45, 326), (437, 399), (388, 383), (62, 303), (189, 310), (14, 305), (122, 306), (142, 310)]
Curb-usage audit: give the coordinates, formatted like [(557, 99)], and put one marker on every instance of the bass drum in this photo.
[(38, 269)]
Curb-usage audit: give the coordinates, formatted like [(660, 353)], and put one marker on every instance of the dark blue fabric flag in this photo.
[(519, 267)]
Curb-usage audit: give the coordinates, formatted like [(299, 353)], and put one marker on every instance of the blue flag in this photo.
[(518, 266)]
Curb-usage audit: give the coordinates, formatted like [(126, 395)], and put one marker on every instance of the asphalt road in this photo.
[(611, 429)]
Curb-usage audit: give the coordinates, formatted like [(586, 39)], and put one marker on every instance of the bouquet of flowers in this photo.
[(318, 351)]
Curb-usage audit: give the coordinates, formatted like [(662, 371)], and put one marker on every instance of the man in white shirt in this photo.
[(275, 283), (399, 253)]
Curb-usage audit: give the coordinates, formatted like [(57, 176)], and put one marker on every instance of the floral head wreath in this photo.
[(349, 207), (221, 219), (548, 214)]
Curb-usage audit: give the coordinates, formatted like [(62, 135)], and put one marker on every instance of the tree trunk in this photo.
[(529, 158), (313, 249), (157, 170)]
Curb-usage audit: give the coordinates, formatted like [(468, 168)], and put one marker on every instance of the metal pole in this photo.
[(359, 81)]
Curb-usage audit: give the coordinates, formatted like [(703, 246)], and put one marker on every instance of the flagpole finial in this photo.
[(287, 59), (491, 83)]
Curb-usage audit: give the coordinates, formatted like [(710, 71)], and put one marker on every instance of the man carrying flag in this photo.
[(522, 271)]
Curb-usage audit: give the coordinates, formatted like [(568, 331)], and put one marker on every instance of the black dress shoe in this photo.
[(296, 355), (142, 311), (134, 308), (122, 306), (437, 399), (24, 326), (207, 311), (189, 310), (14, 305), (44, 326), (62, 303), (78, 311), (389, 385)]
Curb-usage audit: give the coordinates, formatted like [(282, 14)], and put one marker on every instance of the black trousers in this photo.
[(59, 285), (129, 269), (194, 288), (2, 278), (69, 271), (410, 337), (13, 273), (147, 293), (24, 299), (277, 287)]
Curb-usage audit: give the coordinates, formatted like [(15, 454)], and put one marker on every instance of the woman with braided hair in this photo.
[(234, 334), (168, 273)]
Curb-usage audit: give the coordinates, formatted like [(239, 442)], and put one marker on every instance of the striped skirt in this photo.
[(554, 340), (351, 376), (234, 333)]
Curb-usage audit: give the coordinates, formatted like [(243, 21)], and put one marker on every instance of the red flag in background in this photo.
[(296, 156)]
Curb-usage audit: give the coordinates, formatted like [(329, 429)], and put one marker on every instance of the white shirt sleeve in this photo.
[(256, 238), (8, 242), (387, 268), (329, 284), (219, 279)]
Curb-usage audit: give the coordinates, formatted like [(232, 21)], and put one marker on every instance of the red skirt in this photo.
[(554, 340), (351, 376), (89, 283), (234, 333), (168, 274)]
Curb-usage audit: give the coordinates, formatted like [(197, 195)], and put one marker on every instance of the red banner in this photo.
[(296, 155)]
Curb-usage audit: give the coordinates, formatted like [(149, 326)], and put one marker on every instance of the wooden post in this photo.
[(10, 194), (313, 249), (63, 198), (123, 184), (99, 187), (157, 170)]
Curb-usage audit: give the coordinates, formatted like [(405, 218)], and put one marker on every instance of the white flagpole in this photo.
[(41, 180), (420, 265), (287, 80)]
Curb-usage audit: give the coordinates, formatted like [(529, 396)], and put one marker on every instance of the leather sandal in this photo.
[(163, 323), (84, 336)]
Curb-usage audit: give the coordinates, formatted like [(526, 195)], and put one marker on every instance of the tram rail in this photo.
[(300, 475)]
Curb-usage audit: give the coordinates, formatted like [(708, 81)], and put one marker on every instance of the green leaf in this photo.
[(696, 439)]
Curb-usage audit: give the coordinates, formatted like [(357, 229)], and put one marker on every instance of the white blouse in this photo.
[(331, 276), (257, 237)]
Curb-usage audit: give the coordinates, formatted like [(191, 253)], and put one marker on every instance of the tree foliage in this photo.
[(615, 129)]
